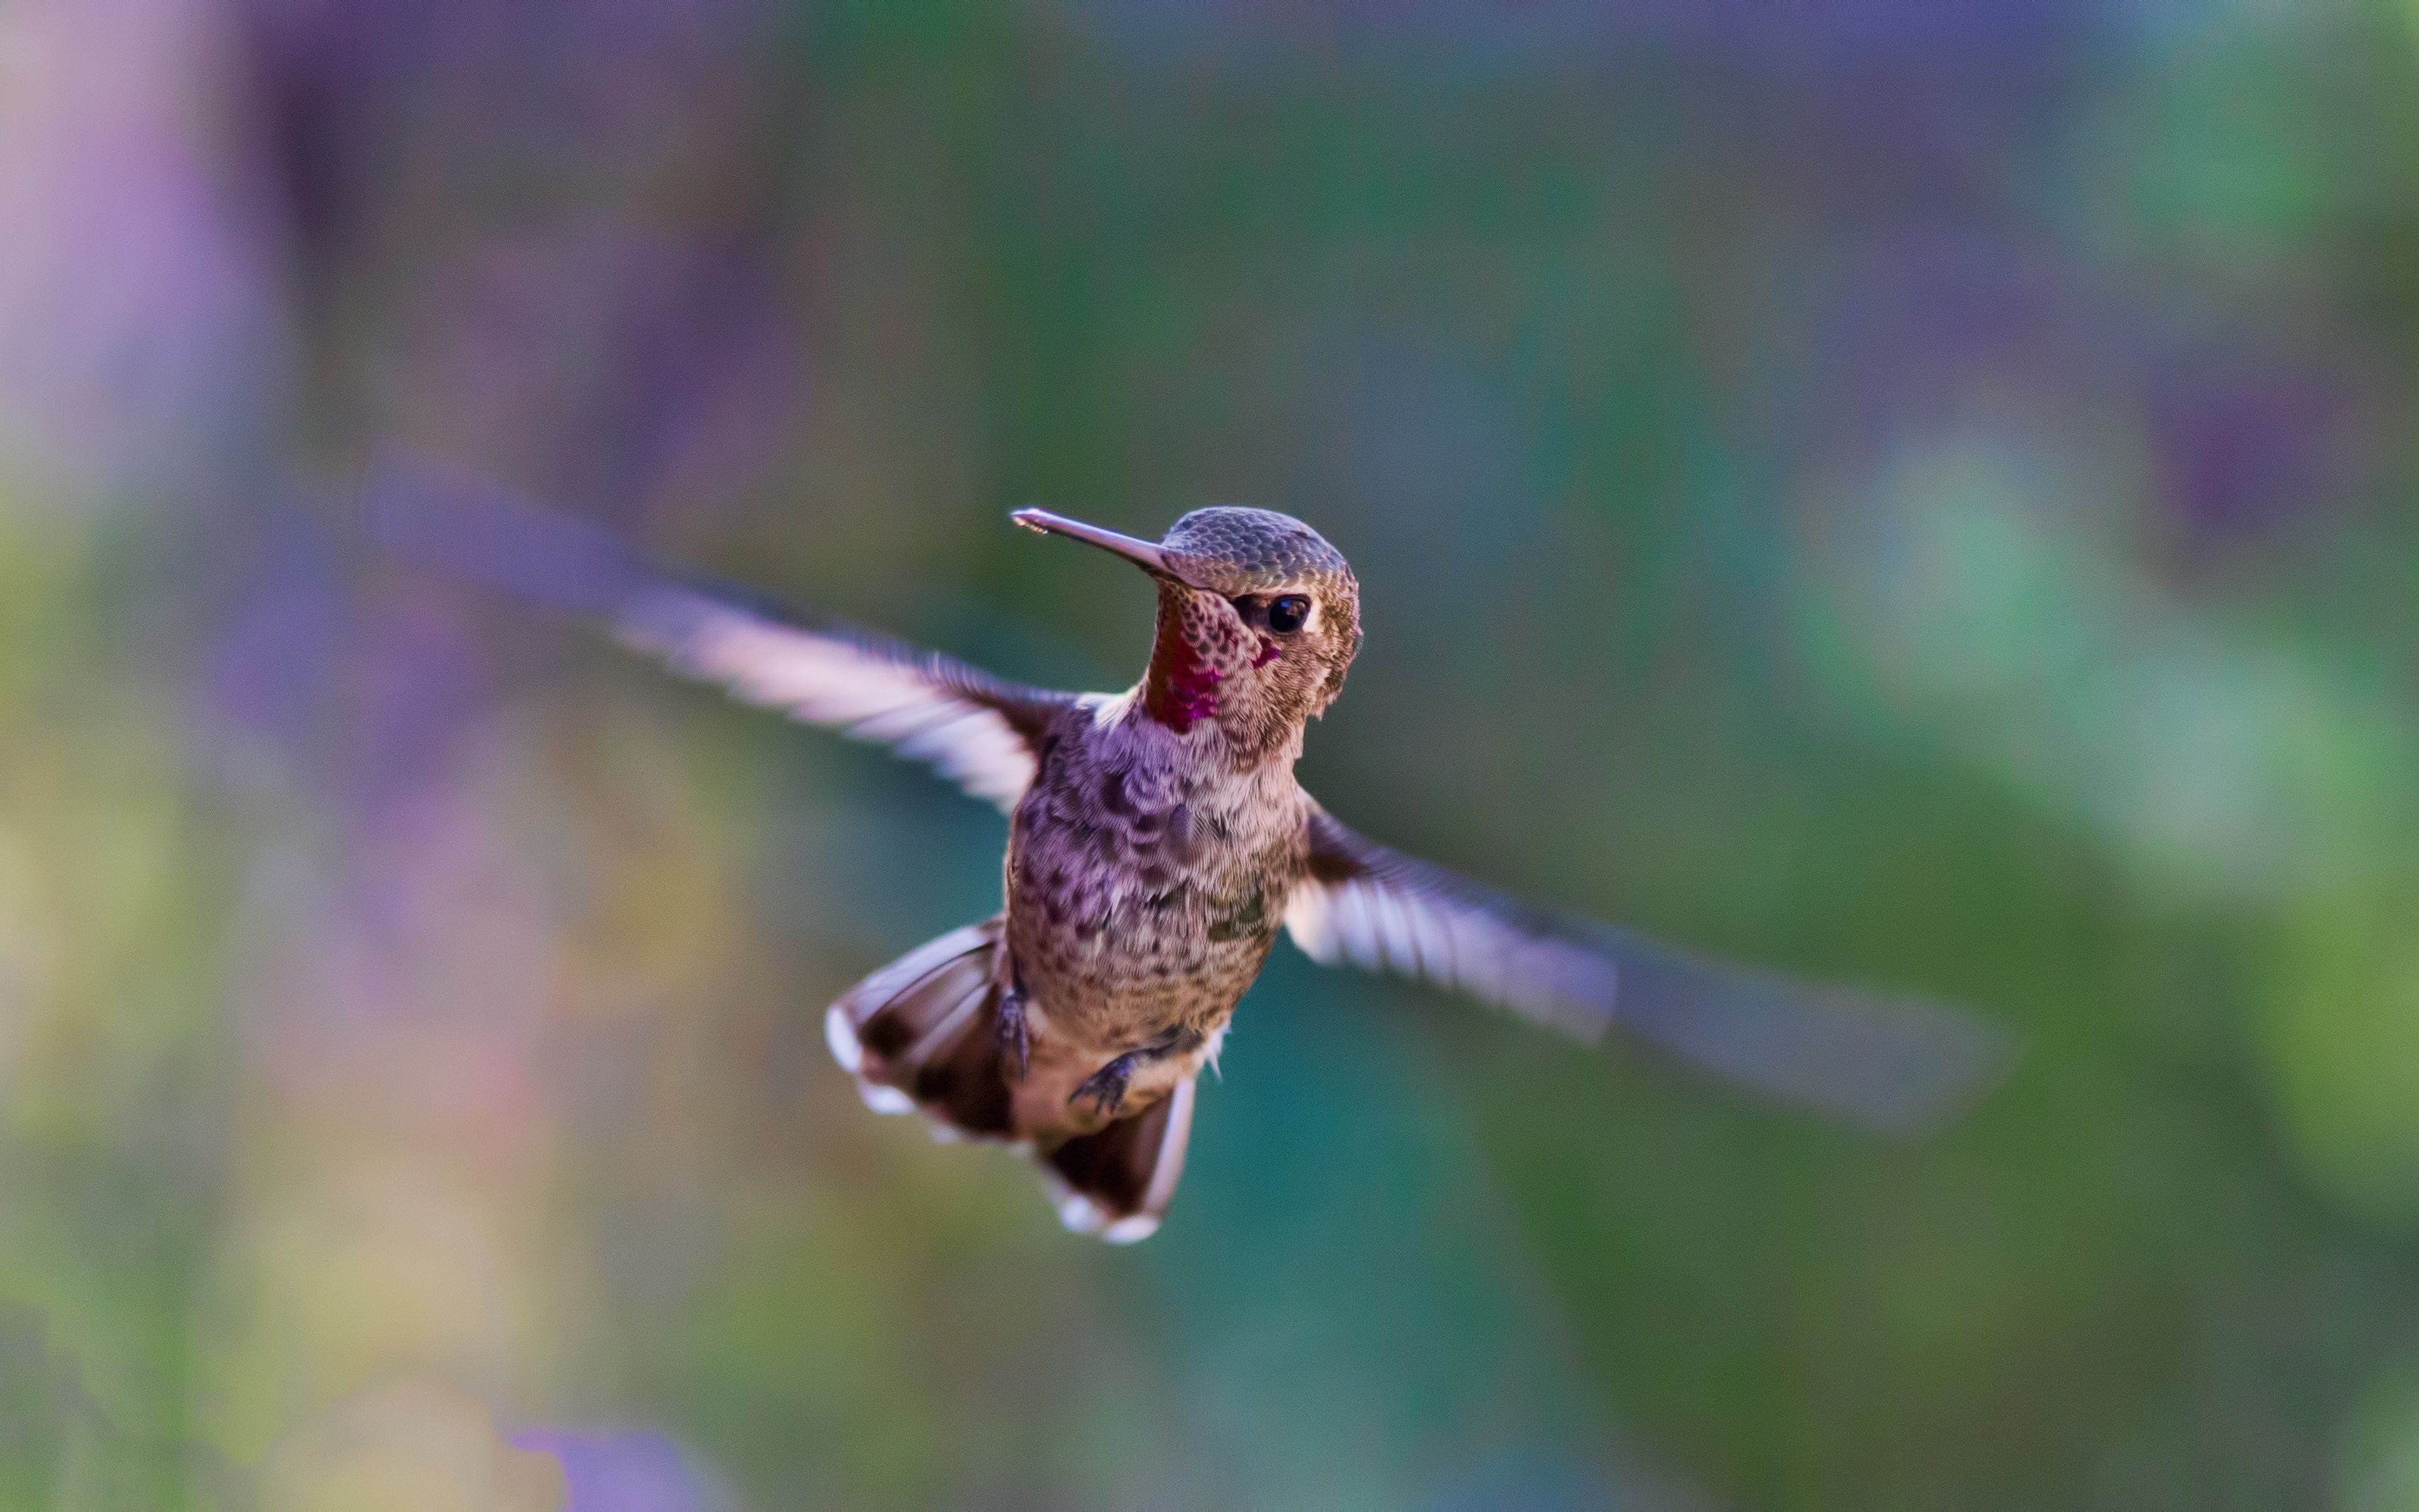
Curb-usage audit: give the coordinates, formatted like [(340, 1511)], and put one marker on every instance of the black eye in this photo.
[(1289, 614)]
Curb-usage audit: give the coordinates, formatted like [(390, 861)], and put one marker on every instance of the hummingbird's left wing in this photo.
[(981, 731), (977, 730), (1891, 1063)]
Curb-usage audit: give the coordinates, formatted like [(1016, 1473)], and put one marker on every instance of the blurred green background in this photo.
[(1909, 491)]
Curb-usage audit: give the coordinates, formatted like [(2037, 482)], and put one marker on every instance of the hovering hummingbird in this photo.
[(1159, 843)]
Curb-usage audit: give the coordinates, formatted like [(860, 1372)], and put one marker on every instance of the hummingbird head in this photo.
[(1258, 620)]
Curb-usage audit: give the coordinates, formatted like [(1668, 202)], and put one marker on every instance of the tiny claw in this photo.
[(1106, 1087), (1015, 1034)]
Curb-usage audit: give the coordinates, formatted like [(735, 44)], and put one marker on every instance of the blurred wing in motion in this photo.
[(1885, 1063), (978, 730)]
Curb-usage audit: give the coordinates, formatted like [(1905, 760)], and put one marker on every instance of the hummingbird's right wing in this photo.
[(978, 729), (1890, 1063)]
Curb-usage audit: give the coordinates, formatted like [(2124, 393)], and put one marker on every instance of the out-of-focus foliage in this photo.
[(1914, 492)]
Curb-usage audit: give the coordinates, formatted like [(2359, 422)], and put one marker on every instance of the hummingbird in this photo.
[(1159, 844)]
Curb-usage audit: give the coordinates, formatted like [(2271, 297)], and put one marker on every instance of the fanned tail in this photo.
[(921, 1035)]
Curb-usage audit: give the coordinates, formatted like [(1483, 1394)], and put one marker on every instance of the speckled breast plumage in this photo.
[(1145, 891)]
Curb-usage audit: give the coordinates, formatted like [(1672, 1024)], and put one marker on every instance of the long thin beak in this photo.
[(1144, 554)]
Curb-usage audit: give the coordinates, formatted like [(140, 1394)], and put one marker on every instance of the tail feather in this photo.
[(921, 1035), (918, 1033), (964, 1084), (1116, 1183)]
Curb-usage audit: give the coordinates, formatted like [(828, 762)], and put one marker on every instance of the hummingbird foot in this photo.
[(1014, 1033), (1106, 1087)]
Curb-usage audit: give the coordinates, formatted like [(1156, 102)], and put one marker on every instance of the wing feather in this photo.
[(1884, 1063), (980, 731), (975, 730)]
